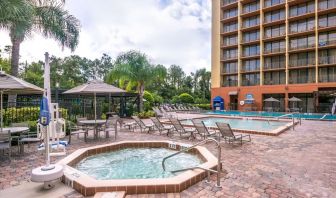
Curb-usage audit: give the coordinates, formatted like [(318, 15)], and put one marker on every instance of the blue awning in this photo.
[(218, 99)]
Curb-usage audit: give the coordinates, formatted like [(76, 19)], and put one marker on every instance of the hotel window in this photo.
[(275, 31), (302, 59), (274, 15), (274, 78), (229, 27), (302, 25), (250, 79), (251, 65), (230, 53), (230, 13), (327, 74), (251, 36), (302, 8), (328, 20), (251, 50), (230, 40), (269, 3), (327, 57), (230, 81), (302, 42), (275, 46), (230, 67), (327, 38), (299, 76), (274, 62), (251, 7), (251, 21), (326, 4)]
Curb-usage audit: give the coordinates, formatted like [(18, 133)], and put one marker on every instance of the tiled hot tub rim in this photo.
[(87, 185)]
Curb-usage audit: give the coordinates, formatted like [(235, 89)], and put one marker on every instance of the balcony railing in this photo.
[(301, 62), (326, 60), (230, 83), (275, 50), (244, 69), (274, 36), (229, 57), (302, 47), (304, 30), (276, 66), (327, 6), (271, 3), (245, 11), (232, 71), (228, 2), (327, 43)]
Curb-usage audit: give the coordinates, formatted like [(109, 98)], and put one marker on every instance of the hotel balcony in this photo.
[(327, 61), (229, 4), (301, 63)]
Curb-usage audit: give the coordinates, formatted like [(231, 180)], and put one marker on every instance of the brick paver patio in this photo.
[(299, 163)]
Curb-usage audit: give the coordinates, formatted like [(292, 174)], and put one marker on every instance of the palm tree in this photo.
[(23, 17), (134, 68)]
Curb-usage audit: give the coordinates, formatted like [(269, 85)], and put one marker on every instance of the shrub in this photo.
[(186, 98), (201, 101), (175, 99), (149, 97), (145, 114), (157, 99), (204, 106), (24, 114)]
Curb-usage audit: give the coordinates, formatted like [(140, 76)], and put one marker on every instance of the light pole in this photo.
[(56, 94)]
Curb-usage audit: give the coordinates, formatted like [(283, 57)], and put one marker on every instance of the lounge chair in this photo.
[(202, 130), (161, 127), (165, 113), (228, 135), (182, 130), (157, 112), (142, 125), (6, 142)]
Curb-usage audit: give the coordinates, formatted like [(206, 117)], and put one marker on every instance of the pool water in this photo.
[(135, 163), (313, 116), (242, 124)]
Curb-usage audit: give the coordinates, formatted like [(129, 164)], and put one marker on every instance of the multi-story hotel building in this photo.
[(274, 48)]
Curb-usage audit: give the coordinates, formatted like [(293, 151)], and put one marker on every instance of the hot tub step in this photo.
[(118, 194)]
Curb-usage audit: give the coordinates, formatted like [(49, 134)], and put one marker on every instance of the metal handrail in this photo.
[(219, 151)]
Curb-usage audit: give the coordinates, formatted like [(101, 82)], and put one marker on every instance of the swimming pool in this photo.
[(243, 124), (135, 163), (308, 116)]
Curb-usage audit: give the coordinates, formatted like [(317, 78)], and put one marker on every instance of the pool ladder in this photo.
[(219, 165)]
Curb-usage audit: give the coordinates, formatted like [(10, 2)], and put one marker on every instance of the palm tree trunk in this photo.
[(141, 91), (16, 42)]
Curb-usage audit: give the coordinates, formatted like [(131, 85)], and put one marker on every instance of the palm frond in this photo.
[(55, 22), (14, 12)]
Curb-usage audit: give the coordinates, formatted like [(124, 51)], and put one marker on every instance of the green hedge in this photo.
[(204, 106), (25, 114), (145, 114)]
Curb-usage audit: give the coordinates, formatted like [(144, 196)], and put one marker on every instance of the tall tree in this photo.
[(22, 18), (176, 75), (134, 68)]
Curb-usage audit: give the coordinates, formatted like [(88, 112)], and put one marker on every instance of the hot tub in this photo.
[(135, 167)]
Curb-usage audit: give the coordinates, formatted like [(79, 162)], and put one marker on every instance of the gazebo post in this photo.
[(1, 101)]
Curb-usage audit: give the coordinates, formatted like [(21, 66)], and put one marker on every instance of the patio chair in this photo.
[(142, 125), (78, 129), (29, 137), (16, 137), (165, 113), (202, 130), (228, 135), (6, 142), (111, 125), (183, 131), (161, 127)]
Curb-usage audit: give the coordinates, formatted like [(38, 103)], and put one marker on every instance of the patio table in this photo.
[(95, 124), (15, 130)]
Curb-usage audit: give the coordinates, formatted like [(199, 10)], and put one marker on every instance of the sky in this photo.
[(168, 31)]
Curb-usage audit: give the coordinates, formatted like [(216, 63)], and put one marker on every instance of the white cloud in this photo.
[(169, 31)]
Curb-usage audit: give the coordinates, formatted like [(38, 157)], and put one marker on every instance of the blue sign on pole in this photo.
[(44, 112)]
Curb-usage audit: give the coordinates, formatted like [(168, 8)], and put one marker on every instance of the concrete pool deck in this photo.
[(297, 163)]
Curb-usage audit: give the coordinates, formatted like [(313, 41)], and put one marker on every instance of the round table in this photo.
[(94, 123), (14, 130)]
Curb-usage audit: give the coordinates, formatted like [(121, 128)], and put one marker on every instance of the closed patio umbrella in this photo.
[(95, 87), (13, 85), (271, 100), (294, 100)]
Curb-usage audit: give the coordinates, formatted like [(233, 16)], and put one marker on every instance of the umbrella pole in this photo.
[(95, 115), (1, 122)]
